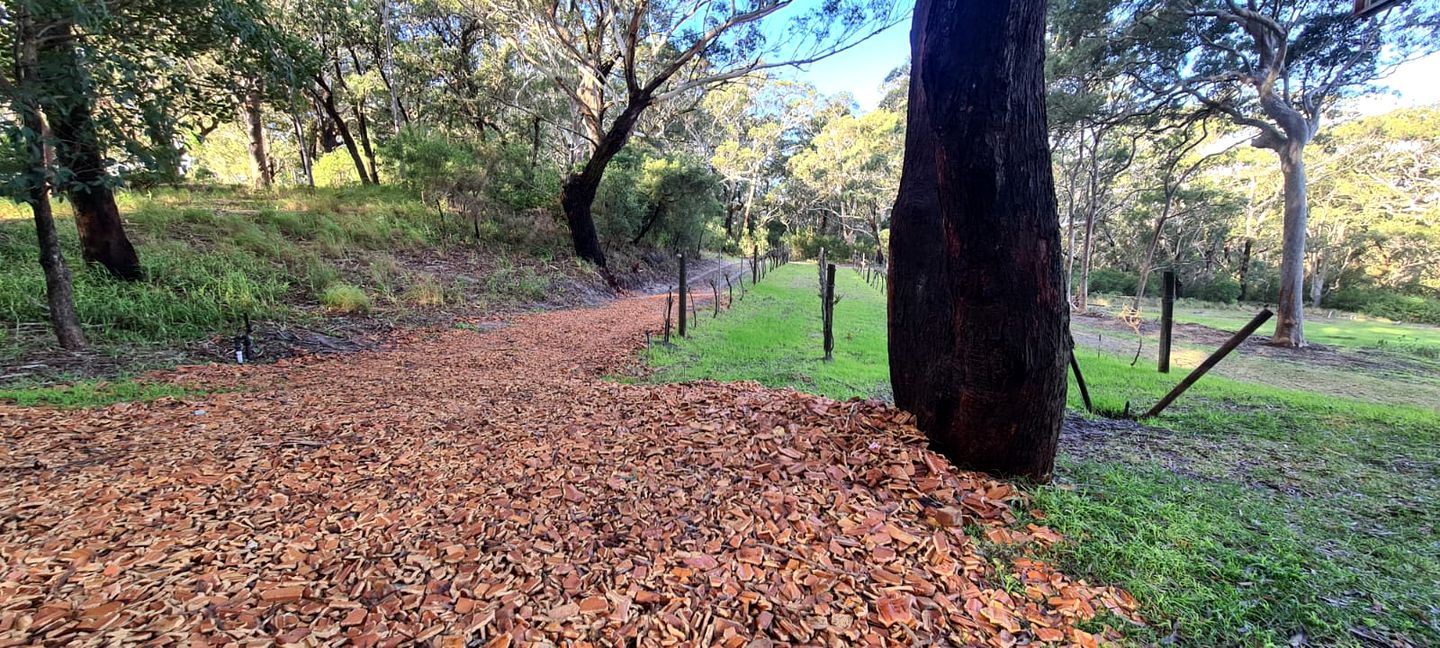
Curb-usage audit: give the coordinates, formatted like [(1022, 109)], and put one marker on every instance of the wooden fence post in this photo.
[(1167, 319), (669, 303), (1210, 362), (1080, 379), (684, 292), (821, 268), (715, 288), (828, 296), (755, 265)]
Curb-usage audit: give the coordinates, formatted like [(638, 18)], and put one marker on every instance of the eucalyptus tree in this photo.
[(113, 76), (615, 59), (978, 319), (1274, 67), (1096, 123), (853, 165), (1375, 192)]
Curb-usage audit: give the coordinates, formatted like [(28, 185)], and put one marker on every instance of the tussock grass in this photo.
[(345, 298)]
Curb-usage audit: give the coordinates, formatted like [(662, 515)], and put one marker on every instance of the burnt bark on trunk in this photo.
[(577, 192), (978, 316), (77, 148), (59, 296), (1290, 310)]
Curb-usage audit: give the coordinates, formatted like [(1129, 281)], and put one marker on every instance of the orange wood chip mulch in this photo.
[(493, 489)]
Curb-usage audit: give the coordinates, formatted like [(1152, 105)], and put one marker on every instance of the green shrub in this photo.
[(336, 169), (1222, 290), (518, 283), (345, 298), (1381, 303), (426, 160), (807, 244), (1108, 281)]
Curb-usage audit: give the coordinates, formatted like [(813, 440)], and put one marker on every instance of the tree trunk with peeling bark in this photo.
[(1290, 311), (59, 296), (978, 312)]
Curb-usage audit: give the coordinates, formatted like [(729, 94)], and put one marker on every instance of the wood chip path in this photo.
[(493, 489)]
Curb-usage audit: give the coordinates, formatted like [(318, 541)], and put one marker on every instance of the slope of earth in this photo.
[(319, 271), (490, 488)]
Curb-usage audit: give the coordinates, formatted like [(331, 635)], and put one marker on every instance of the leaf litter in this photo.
[(466, 488)]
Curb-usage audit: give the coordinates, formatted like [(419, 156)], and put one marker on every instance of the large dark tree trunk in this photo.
[(577, 192), (77, 148), (58, 293), (1290, 311), (978, 317)]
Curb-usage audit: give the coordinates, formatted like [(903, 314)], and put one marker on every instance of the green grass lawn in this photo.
[(772, 336), (1322, 326), (1251, 515)]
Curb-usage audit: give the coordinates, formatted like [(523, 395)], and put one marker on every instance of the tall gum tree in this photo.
[(1275, 67), (978, 315), (615, 59)]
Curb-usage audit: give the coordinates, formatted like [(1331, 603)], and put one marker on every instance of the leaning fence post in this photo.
[(715, 289), (1080, 379), (1167, 319), (1210, 362), (684, 292), (694, 308)]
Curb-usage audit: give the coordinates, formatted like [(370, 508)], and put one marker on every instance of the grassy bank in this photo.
[(1252, 515), (292, 258)]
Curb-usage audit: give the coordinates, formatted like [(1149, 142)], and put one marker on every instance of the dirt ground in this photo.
[(464, 487)]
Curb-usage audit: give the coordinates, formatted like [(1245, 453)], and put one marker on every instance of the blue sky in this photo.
[(861, 70)]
